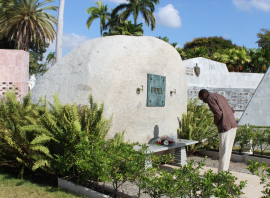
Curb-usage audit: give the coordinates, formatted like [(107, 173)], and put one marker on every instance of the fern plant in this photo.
[(23, 141), (44, 135), (198, 125), (70, 124)]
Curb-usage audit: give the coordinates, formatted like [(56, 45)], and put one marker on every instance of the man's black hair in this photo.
[(203, 91)]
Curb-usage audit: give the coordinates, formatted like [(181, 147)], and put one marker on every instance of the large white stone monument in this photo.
[(112, 69)]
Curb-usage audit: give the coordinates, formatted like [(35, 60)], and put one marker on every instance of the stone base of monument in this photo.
[(180, 153)]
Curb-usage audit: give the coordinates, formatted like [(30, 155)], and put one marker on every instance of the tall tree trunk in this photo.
[(100, 28), (59, 36), (135, 19), (27, 41)]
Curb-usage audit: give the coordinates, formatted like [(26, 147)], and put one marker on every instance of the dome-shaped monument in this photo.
[(112, 69)]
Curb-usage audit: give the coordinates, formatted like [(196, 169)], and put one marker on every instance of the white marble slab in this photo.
[(157, 148)]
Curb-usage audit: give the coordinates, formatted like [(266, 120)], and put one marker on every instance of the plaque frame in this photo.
[(156, 90)]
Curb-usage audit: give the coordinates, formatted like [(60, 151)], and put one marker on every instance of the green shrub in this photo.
[(35, 137), (258, 138), (261, 139), (23, 141), (243, 136), (187, 182), (117, 139), (197, 124), (116, 163), (262, 170), (70, 124)]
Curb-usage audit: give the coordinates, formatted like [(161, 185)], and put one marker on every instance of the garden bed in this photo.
[(78, 189), (97, 190), (237, 157)]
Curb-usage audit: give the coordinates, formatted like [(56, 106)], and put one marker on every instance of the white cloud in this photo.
[(248, 4), (70, 41), (168, 16)]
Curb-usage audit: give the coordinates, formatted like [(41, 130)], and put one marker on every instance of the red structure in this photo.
[(14, 71)]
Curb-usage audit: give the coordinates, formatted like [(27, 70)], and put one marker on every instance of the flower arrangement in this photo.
[(165, 140)]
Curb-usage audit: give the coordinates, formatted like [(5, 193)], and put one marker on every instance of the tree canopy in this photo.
[(126, 28), (36, 67), (236, 58), (135, 7), (27, 22), (210, 44), (264, 39), (101, 12)]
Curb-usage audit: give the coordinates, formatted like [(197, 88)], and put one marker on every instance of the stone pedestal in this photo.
[(180, 151), (180, 156)]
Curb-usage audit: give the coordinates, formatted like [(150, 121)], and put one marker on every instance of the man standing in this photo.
[(225, 122)]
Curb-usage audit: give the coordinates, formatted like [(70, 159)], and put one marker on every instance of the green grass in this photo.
[(10, 186)]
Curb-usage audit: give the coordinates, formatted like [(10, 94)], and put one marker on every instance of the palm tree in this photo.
[(51, 58), (27, 21), (60, 26), (234, 58), (135, 7), (126, 28), (113, 22), (98, 12), (165, 38)]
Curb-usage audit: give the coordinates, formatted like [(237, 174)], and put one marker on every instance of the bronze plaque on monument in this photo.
[(156, 89)]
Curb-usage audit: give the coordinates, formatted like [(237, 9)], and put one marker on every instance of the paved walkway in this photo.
[(253, 188)]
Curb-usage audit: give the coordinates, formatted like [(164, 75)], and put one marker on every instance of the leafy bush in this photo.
[(262, 170), (187, 182), (261, 139), (23, 142), (35, 137), (243, 136), (71, 124), (116, 163), (197, 124), (258, 138)]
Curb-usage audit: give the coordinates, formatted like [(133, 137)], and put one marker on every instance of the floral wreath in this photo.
[(164, 140)]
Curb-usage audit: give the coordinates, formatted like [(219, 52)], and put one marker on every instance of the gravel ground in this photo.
[(213, 162)]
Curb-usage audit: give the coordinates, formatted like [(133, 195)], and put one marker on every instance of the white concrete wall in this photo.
[(215, 74), (237, 87)]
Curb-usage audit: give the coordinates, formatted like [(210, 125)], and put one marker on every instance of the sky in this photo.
[(180, 20)]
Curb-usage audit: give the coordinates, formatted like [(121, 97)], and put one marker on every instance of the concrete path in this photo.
[(253, 188)]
